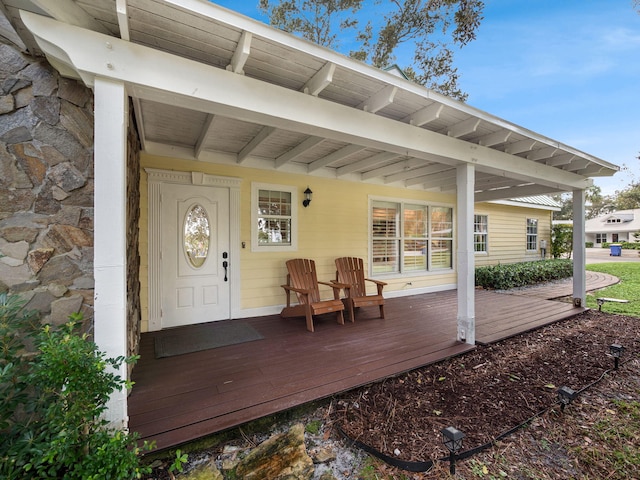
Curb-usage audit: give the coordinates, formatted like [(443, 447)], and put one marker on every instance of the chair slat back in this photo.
[(351, 271), (302, 274)]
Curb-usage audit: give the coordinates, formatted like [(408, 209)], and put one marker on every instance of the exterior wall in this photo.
[(507, 226), (46, 187), (335, 224)]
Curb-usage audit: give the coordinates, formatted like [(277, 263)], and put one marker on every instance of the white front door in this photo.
[(194, 254)]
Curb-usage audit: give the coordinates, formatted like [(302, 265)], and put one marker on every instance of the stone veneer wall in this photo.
[(47, 191)]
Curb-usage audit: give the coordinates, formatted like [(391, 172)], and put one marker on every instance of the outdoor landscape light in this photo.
[(565, 396), (307, 197), (452, 439), (616, 350)]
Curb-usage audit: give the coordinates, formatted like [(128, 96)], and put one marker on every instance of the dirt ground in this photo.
[(498, 387)]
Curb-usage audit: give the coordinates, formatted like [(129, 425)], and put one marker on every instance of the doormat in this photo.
[(207, 337)]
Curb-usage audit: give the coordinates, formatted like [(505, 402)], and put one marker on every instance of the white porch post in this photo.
[(110, 261), (579, 252), (465, 181)]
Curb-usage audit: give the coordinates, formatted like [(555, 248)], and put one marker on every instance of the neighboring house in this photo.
[(613, 227), (208, 129)]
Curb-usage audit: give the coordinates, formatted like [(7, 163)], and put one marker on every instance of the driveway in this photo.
[(602, 255)]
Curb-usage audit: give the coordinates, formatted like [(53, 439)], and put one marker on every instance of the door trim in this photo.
[(155, 178)]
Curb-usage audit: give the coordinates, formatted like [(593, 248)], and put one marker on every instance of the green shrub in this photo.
[(51, 423), (623, 245), (588, 244), (514, 275)]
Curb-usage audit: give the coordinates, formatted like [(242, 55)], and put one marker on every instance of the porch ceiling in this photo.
[(210, 35)]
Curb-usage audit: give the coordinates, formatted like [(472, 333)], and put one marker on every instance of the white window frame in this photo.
[(532, 235), (601, 238), (400, 238), (257, 247), (484, 234)]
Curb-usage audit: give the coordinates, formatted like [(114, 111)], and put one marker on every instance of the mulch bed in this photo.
[(486, 392)]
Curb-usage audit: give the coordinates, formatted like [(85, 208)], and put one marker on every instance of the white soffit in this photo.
[(417, 128)]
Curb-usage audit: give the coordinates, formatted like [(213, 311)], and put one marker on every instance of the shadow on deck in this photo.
[(181, 398)]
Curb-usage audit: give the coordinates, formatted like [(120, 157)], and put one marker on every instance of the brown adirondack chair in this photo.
[(350, 272), (303, 281)]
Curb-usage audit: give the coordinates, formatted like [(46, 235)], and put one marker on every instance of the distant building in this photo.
[(613, 227)]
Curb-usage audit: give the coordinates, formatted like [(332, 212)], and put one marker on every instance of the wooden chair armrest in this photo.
[(297, 290), (377, 282), (334, 284)]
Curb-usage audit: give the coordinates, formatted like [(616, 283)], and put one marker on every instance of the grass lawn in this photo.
[(627, 289)]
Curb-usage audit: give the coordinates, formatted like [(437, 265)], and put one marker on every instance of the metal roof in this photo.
[(212, 36)]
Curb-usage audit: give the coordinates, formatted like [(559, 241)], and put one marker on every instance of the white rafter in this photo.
[(434, 180), (240, 56), (383, 171), (207, 128), (365, 162), (380, 100), (465, 127), (542, 154), (495, 138), (516, 192), (521, 146), (426, 115), (123, 19), (265, 133), (416, 172), (344, 152), (297, 151), (68, 11), (560, 160), (321, 80)]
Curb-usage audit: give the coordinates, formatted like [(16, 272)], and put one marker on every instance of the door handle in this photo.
[(225, 264)]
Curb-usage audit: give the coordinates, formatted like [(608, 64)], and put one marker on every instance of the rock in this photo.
[(24, 96), (206, 471), (68, 215), (12, 84), (281, 457), (59, 270), (15, 200), (58, 193), (17, 250), (60, 139), (40, 301), (10, 60), (16, 135), (78, 122), (38, 257), (62, 308), (12, 262), (6, 104), (43, 79), (47, 109), (323, 455), (29, 161), (57, 290), (63, 238), (73, 92), (51, 155), (19, 233), (67, 177)]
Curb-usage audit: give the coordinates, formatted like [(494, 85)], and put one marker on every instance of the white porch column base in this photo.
[(110, 260), (579, 250), (465, 179)]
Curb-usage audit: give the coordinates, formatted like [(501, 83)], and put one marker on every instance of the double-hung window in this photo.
[(409, 237), (480, 233), (274, 217), (601, 237), (532, 233)]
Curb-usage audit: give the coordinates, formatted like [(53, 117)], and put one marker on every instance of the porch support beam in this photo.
[(110, 255), (161, 77), (465, 179), (265, 133), (579, 250), (123, 19), (380, 100)]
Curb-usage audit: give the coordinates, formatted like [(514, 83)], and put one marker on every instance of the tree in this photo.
[(628, 198), (433, 26), (595, 204)]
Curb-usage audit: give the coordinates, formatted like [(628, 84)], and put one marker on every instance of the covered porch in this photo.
[(180, 398)]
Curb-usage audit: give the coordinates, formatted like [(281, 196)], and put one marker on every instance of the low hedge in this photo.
[(512, 275), (624, 245)]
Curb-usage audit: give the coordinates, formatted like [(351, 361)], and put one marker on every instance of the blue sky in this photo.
[(567, 69)]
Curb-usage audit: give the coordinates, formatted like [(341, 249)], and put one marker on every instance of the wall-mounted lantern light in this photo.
[(307, 197)]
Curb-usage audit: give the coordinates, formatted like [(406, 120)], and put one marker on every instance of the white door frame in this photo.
[(155, 178)]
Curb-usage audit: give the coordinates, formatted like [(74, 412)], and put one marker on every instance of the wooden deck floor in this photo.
[(178, 399)]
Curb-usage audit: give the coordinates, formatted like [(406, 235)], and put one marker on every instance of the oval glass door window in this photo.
[(197, 235)]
